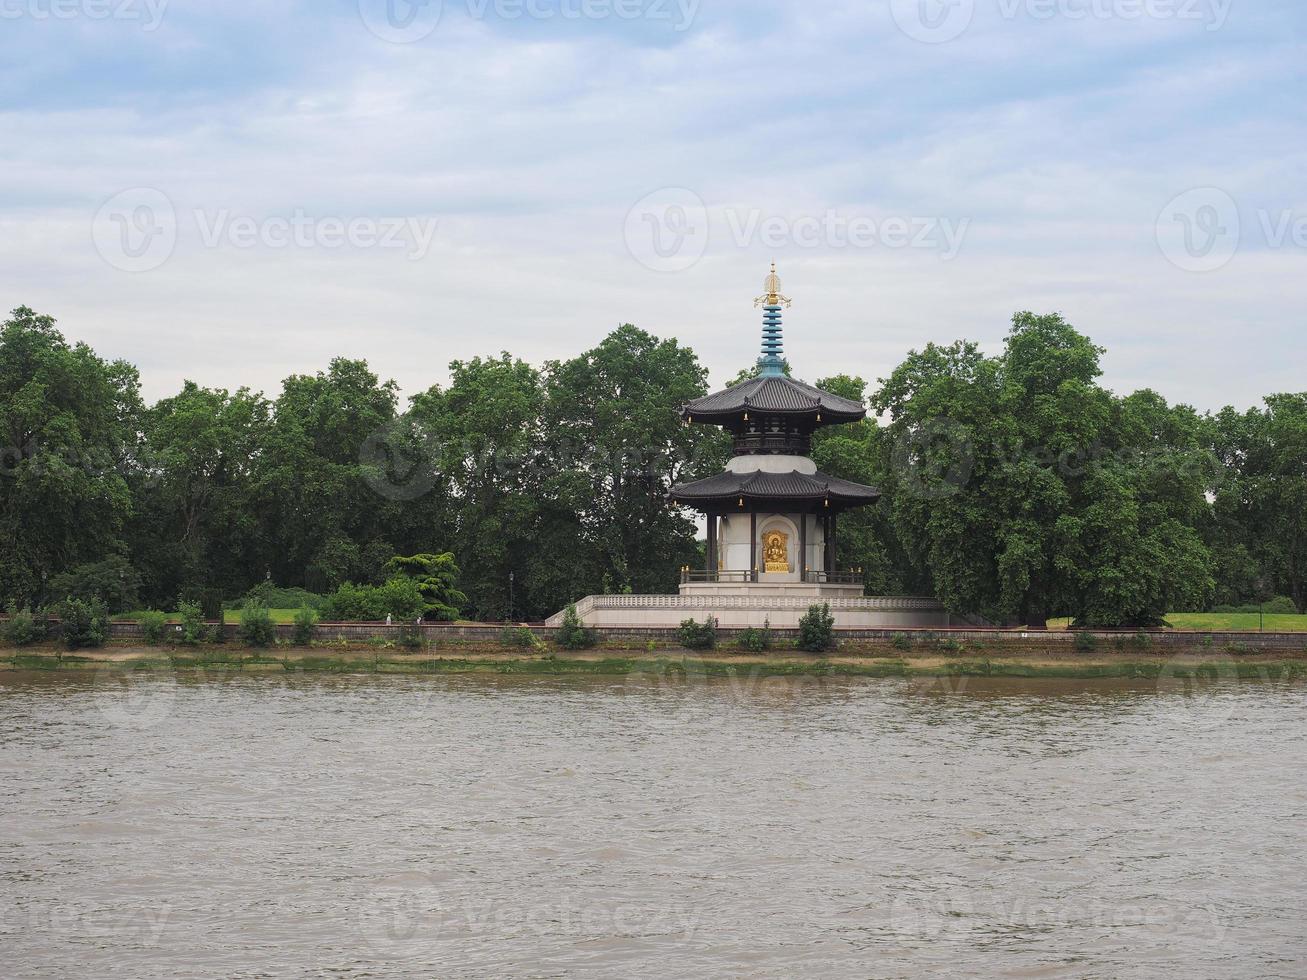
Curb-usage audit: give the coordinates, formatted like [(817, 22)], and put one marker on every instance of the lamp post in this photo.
[(512, 578)]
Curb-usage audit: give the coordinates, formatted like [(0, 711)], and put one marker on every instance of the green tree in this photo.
[(436, 577), (1026, 490), (1259, 529), (196, 526), (113, 581), (616, 445), (323, 521), (487, 430), (68, 424)]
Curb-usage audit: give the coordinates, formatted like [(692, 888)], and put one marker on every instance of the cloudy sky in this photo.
[(236, 190)]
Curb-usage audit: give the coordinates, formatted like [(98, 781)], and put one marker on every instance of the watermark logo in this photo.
[(305, 231), (400, 462), (1203, 693), (148, 13), (670, 230), (407, 21), (136, 229), (401, 21), (938, 21), (667, 231), (934, 460), (1199, 230), (933, 21), (137, 698)]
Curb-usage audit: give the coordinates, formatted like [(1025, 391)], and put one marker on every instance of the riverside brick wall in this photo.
[(438, 634)]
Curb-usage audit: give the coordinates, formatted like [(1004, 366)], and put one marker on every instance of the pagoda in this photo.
[(772, 515)]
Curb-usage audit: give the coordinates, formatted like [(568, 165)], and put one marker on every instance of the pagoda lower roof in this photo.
[(774, 395), (787, 488)]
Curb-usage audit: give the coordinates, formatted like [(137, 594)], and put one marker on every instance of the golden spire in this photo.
[(773, 295)]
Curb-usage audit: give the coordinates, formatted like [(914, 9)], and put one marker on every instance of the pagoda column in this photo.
[(712, 546), (753, 546), (803, 547)]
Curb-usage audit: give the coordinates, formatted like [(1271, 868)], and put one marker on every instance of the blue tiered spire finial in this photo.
[(772, 362)]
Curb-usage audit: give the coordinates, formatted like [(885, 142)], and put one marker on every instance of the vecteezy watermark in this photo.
[(667, 230), (148, 13), (407, 21), (302, 230), (137, 230), (962, 915), (408, 915), (938, 21), (670, 230), (400, 460), (1201, 230)]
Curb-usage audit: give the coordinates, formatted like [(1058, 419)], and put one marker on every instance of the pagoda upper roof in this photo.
[(761, 487), (774, 395)]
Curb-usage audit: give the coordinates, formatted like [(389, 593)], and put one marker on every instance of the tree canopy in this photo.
[(1016, 486)]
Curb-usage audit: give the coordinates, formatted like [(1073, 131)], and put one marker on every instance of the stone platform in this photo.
[(781, 605)]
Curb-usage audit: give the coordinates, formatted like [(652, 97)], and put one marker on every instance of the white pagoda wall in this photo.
[(734, 544)]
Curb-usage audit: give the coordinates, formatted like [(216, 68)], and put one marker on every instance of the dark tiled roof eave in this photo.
[(778, 395), (794, 486)]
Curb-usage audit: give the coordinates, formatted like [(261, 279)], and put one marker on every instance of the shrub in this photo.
[(23, 629), (256, 624), (572, 635), (193, 629), (756, 640), (901, 641), (698, 636), (85, 624), (519, 636), (410, 636), (1281, 605), (306, 623), (1086, 642), (817, 629), (218, 632), (112, 582), (277, 598), (400, 598), (1141, 641), (154, 626)]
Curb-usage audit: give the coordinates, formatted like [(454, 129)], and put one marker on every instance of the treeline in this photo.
[(1015, 486)]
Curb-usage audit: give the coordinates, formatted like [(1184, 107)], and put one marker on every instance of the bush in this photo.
[(23, 629), (1281, 605), (276, 598), (1086, 642), (256, 625), (154, 626), (400, 598), (756, 640), (218, 632), (696, 636), (113, 582), (1141, 641), (518, 636), (901, 641), (574, 636), (85, 624), (817, 629), (410, 636), (306, 624), (193, 628)]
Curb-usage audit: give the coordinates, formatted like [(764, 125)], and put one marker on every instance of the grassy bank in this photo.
[(1222, 623), (862, 662)]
